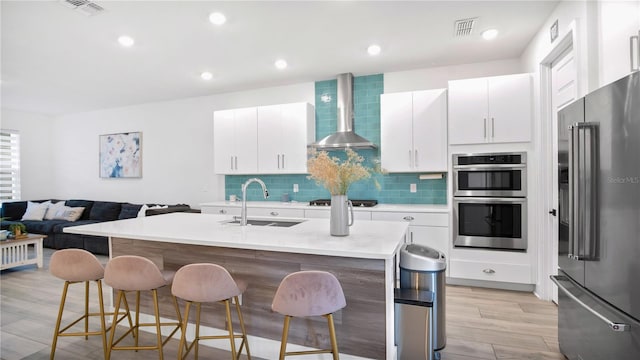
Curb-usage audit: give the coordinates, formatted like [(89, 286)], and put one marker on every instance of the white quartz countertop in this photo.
[(306, 206), (367, 239)]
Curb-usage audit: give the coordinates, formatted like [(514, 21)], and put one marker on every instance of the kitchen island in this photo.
[(363, 262)]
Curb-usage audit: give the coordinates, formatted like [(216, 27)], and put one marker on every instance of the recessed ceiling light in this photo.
[(206, 75), (217, 18), (489, 34), (126, 41), (374, 50), (281, 64)]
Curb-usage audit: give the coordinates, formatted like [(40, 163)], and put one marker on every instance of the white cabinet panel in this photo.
[(490, 110), (414, 219), (490, 271), (235, 141), (414, 131), (221, 210), (284, 131), (276, 212), (326, 214)]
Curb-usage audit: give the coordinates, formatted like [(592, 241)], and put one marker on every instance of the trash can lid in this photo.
[(421, 258)]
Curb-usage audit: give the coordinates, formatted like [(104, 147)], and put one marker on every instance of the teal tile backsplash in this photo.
[(394, 188)]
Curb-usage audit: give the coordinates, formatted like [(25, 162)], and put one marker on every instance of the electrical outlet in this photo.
[(295, 188), (413, 188)]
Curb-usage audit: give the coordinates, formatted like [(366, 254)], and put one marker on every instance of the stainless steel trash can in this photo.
[(423, 268)]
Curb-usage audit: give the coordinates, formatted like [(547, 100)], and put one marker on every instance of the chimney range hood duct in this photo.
[(344, 137)]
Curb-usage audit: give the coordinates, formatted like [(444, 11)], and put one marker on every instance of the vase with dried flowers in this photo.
[(336, 176)]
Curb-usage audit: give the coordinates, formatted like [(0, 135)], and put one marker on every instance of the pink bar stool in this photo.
[(208, 283), (309, 293), (76, 266), (136, 273)]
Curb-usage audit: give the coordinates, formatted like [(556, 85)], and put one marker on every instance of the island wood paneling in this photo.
[(360, 327)]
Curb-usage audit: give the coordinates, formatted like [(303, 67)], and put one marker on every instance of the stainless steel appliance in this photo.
[(497, 174), (489, 204), (599, 233), (356, 203)]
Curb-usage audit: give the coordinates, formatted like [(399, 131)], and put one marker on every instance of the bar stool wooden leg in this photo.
[(230, 327), (86, 309), (137, 326), (183, 338), (103, 325), (114, 323), (156, 310), (59, 320), (245, 340), (197, 340), (332, 335), (285, 336)]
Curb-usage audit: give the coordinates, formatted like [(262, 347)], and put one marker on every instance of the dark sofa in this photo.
[(94, 212)]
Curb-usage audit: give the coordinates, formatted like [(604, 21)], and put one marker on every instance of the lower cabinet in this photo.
[(490, 271), (221, 210), (275, 212)]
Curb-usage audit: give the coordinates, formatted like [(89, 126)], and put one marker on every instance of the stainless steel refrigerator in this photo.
[(599, 234)]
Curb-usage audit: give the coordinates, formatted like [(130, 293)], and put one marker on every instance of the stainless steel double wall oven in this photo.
[(490, 200)]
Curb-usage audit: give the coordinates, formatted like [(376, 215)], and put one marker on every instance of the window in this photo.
[(9, 165)]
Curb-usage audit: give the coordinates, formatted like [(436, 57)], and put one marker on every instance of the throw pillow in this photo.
[(105, 211), (129, 211), (35, 211), (69, 213), (53, 209)]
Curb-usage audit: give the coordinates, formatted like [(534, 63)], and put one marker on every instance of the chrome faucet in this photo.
[(243, 213)]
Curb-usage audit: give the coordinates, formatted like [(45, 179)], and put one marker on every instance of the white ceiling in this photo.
[(56, 60)]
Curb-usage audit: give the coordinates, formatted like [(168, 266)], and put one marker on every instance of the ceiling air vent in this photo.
[(464, 27), (86, 7)]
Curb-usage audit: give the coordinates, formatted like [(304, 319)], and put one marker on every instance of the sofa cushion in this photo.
[(58, 228), (129, 211), (35, 211), (86, 204), (105, 211), (41, 227), (14, 210)]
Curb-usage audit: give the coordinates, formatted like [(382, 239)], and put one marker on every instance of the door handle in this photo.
[(553, 212), (278, 161), (615, 326), (415, 159), (634, 40), (283, 161), (493, 128), (485, 129)]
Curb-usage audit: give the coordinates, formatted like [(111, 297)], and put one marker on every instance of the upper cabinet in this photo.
[(413, 131), (490, 110), (619, 46), (235, 138), (283, 134), (263, 140)]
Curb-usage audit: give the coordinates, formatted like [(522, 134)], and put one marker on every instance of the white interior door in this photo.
[(563, 92)]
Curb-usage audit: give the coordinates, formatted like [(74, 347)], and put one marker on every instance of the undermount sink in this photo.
[(266, 222)]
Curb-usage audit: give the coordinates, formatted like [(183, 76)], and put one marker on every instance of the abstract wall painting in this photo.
[(121, 155)]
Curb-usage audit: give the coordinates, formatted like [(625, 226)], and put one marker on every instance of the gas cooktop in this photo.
[(358, 203)]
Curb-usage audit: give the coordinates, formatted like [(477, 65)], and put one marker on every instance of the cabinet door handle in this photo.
[(411, 234), (489, 271), (408, 218), (274, 213), (634, 40), (222, 211), (231, 164), (415, 159), (493, 128), (283, 161), (278, 161), (485, 128), (410, 159), (236, 162)]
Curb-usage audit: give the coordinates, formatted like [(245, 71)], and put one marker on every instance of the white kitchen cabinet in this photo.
[(428, 229), (618, 21), (276, 212), (235, 139), (491, 265), (413, 130), (326, 214), (221, 210), (283, 134), (490, 110)]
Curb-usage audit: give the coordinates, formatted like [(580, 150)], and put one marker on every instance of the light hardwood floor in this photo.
[(481, 323)]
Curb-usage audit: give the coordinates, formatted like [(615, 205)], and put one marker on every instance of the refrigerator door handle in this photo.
[(589, 192), (573, 190), (615, 326)]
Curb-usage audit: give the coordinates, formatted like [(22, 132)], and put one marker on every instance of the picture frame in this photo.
[(121, 155), (553, 31)]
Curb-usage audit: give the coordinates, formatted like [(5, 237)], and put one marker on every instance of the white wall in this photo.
[(438, 77), (35, 157), (177, 148)]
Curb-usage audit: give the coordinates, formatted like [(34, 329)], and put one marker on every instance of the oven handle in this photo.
[(490, 166), (489, 200)]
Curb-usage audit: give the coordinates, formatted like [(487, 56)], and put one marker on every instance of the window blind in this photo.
[(9, 165)]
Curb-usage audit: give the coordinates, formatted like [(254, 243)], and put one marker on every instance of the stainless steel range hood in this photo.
[(344, 137)]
